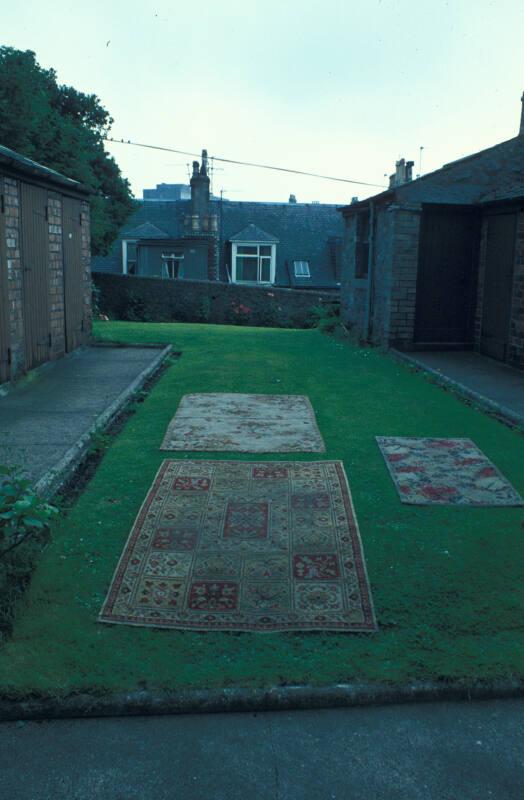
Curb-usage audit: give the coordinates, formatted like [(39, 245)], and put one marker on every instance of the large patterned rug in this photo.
[(244, 546), (245, 423), (445, 472)]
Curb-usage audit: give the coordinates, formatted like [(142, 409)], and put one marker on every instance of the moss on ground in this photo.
[(446, 582)]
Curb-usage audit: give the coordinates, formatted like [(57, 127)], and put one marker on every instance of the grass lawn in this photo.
[(447, 582)]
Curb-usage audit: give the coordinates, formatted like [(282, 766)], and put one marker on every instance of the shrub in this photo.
[(23, 514), (24, 529)]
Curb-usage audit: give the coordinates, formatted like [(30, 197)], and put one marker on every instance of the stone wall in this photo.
[(129, 297)]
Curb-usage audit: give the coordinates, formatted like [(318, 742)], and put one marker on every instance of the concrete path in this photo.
[(479, 374), (46, 418), (445, 751)]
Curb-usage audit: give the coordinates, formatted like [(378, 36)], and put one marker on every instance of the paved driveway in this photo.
[(429, 751), (44, 417)]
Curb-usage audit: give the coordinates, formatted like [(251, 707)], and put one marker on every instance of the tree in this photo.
[(64, 129)]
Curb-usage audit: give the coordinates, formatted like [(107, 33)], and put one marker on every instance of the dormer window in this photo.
[(129, 256), (172, 265), (301, 269), (253, 262)]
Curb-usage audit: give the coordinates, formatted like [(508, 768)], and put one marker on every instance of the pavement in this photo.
[(483, 377), (426, 751), (46, 419)]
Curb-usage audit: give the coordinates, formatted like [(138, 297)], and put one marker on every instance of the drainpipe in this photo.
[(371, 259)]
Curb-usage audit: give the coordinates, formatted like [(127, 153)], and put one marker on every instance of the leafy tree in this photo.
[(64, 129)]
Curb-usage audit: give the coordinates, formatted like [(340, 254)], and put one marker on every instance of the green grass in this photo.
[(447, 582)]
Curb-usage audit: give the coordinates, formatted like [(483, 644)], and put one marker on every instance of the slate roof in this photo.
[(19, 163), (496, 173), (302, 231), (252, 233), (147, 231)]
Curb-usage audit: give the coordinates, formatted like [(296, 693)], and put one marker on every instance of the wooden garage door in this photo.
[(498, 279), (73, 278), (4, 300), (35, 274), (448, 260)]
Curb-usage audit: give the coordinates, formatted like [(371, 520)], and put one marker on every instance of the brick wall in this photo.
[(86, 266), (477, 333), (14, 275), (56, 275), (129, 297), (404, 277), (516, 328), (394, 247)]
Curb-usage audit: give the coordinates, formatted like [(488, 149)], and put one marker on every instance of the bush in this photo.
[(24, 529), (326, 318)]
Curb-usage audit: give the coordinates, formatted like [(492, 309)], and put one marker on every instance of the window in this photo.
[(253, 263), (129, 256), (301, 269), (362, 245), (172, 266)]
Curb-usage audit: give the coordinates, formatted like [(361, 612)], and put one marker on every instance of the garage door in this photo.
[(35, 274)]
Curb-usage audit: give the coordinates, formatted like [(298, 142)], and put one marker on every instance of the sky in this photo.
[(340, 88)]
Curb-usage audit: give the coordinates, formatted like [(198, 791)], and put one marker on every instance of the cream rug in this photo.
[(244, 546), (245, 423)]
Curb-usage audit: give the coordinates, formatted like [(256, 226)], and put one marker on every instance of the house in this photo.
[(45, 277), (438, 262), (205, 238)]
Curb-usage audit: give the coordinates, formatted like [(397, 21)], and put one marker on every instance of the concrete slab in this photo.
[(429, 751), (46, 420), (479, 375)]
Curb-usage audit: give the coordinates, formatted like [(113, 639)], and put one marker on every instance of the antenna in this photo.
[(420, 159)]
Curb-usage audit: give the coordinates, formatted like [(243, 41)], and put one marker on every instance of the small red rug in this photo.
[(445, 472), (244, 546)]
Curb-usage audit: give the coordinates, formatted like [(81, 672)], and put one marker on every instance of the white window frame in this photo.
[(173, 258), (125, 242), (258, 245), (303, 265)]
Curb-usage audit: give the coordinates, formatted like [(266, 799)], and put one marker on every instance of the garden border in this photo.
[(275, 698)]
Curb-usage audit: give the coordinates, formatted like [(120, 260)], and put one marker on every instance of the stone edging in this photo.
[(276, 698), (502, 412), (51, 481)]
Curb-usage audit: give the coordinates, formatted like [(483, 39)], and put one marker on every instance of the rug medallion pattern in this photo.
[(245, 546), (445, 472), (244, 423)]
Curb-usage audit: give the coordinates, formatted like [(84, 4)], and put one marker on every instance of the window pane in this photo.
[(247, 269), (244, 250), (265, 269), (301, 269), (265, 251)]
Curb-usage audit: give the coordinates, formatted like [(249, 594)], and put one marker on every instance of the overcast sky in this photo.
[(341, 88)]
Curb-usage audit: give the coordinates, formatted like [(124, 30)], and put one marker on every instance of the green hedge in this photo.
[(140, 299)]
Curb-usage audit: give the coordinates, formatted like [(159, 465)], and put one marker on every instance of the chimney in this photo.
[(403, 173), (521, 131), (200, 195), (292, 198)]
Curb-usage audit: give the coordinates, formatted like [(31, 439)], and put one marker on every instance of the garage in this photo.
[(45, 276)]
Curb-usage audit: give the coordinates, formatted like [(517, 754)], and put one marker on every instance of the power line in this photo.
[(242, 163)]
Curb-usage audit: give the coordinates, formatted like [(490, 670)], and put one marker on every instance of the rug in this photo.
[(244, 546), (445, 472), (245, 423)]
